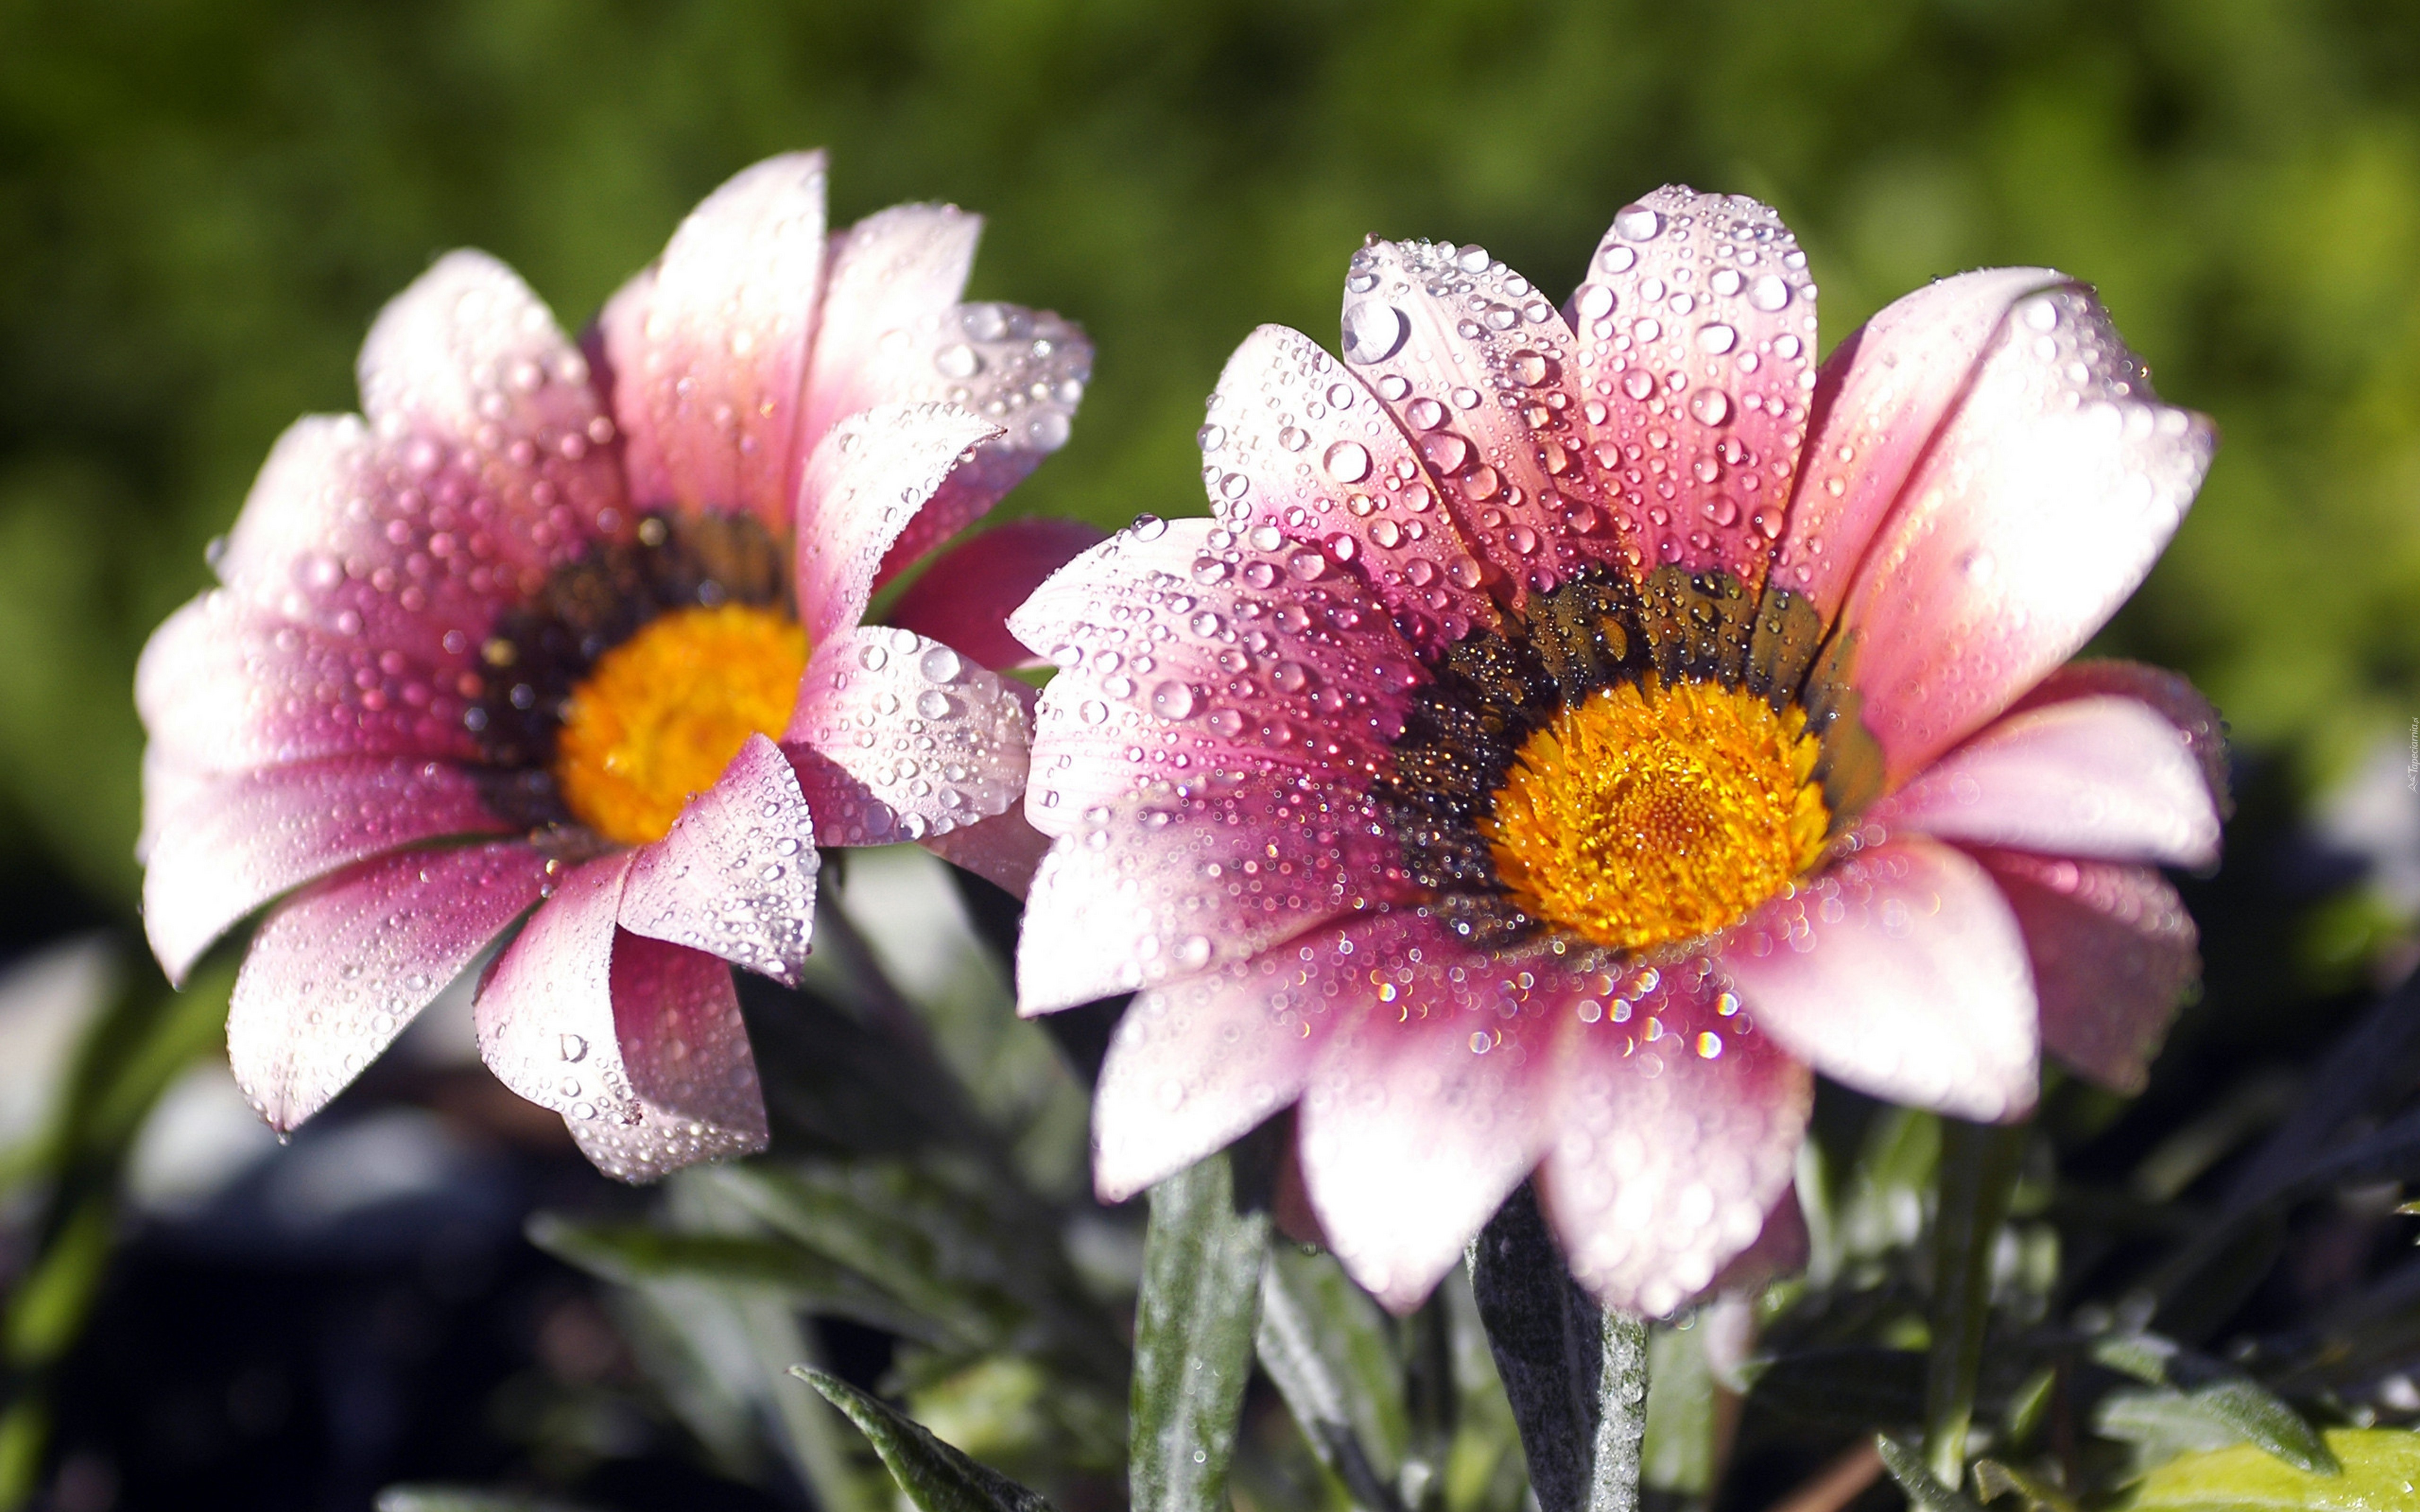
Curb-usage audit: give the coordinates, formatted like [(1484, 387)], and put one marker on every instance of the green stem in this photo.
[(1979, 1175)]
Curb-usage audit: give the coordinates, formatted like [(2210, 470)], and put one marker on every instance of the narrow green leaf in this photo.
[(2239, 1406), (639, 1255), (2380, 1474), (463, 1499), (1993, 1480), (1194, 1324), (1320, 1339), (935, 1477), (1924, 1492), (1575, 1373), (1979, 1175)]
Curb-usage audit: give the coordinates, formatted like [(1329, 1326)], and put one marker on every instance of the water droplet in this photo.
[(934, 704), (1716, 338), (1424, 414), (1211, 437), (1596, 300), (958, 361), (1636, 223), (1348, 462), (872, 656), (1711, 406), (1173, 700), (1726, 281), (1294, 439), (1769, 293), (941, 665), (1444, 450), (573, 1047), (1638, 383), (1375, 332)]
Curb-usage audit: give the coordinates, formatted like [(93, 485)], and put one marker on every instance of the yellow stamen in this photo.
[(660, 716), (1651, 812)]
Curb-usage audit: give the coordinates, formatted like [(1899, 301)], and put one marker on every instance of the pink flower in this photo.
[(579, 628), (1576, 725)]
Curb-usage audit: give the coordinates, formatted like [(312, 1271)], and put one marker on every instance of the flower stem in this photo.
[(1978, 1174)]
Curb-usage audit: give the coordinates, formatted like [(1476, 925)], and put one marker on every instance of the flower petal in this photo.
[(336, 972), (965, 597), (2113, 954), (1201, 1061), (676, 1016), (1697, 362), (228, 687), (1184, 651), (2104, 776), (1432, 1096), (897, 738), (1879, 398), (1678, 1126), (1004, 850), (709, 347), (1901, 972), (1169, 882), (2038, 506), (736, 875), (1294, 444), (545, 1013), (894, 276), (1449, 340), (865, 480), (2204, 731), (244, 840)]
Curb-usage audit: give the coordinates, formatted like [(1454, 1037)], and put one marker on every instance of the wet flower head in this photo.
[(1578, 722), (571, 636)]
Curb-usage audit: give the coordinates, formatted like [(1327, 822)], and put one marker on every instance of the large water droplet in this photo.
[(1636, 223), (958, 361), (1769, 293), (1711, 406), (1716, 338), (1373, 331), (1348, 462)]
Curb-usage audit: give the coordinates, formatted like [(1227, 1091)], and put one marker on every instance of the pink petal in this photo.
[(1294, 444), (736, 875), (339, 970), (1679, 1127), (1696, 347), (2113, 954), (1169, 882), (1901, 972), (2204, 731), (1432, 1098), (709, 347), (865, 480), (1879, 398), (1004, 850), (1413, 333), (897, 738), (2102, 777), (2038, 506), (892, 333), (965, 597), (546, 1015), (1184, 651), (1203, 1061), (244, 840), (677, 1017), (225, 687)]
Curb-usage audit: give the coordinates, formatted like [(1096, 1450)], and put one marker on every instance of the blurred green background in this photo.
[(202, 206)]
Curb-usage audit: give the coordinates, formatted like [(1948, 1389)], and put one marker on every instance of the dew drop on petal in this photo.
[(1636, 223), (1348, 462), (1373, 331)]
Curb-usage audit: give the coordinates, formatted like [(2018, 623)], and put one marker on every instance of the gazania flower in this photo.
[(1577, 725), (580, 628)]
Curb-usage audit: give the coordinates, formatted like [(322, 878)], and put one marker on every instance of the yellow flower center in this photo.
[(1650, 813), (660, 716)]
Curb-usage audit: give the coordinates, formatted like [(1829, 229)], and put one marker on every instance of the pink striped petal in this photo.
[(897, 738), (545, 1014), (2204, 731), (2113, 954), (225, 687), (1184, 651), (1432, 1098), (1901, 972), (339, 970), (965, 597), (1881, 397), (2104, 776), (1204, 1059), (1294, 444), (1696, 361), (866, 480), (1679, 1127), (1445, 336), (736, 875), (677, 1017), (1004, 850), (2038, 506), (1169, 882), (244, 840), (709, 347)]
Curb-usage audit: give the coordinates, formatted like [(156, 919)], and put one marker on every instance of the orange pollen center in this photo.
[(660, 716), (1650, 813)]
